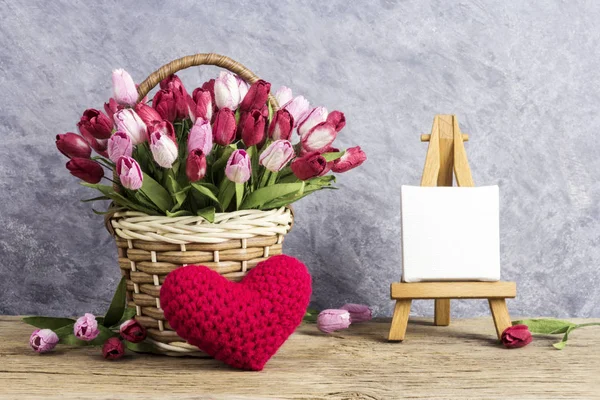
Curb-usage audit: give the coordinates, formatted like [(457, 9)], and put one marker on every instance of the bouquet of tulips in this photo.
[(222, 148)]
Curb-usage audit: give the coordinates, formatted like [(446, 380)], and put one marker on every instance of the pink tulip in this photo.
[(95, 124), (227, 91), (358, 312), (124, 90), (337, 119), (283, 96), (163, 148), (111, 108), (113, 349), (256, 97), (86, 327), (200, 137), (195, 167), (319, 137), (147, 113), (277, 155), (201, 106), (330, 321), (223, 128), (43, 340), (164, 127), (298, 106), (309, 165), (281, 126), (119, 145), (252, 127), (73, 145), (171, 104), (130, 173), (352, 158), (238, 167), (85, 169), (129, 122), (311, 119), (242, 86)]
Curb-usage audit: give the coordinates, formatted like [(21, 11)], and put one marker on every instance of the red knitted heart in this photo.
[(242, 324)]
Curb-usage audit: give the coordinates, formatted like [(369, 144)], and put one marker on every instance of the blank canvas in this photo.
[(450, 233)]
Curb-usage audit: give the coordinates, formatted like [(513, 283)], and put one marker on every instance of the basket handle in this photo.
[(200, 59)]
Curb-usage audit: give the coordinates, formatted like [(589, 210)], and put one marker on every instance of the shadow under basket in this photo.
[(150, 247)]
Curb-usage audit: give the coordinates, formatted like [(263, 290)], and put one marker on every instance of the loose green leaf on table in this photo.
[(546, 326), (117, 306), (48, 322), (142, 347)]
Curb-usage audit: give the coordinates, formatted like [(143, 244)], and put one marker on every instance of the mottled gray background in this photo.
[(523, 80)]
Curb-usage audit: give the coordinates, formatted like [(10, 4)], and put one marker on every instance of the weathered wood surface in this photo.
[(461, 361)]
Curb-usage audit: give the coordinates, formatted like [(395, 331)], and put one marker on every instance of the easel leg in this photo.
[(400, 320), (500, 314), (442, 312)]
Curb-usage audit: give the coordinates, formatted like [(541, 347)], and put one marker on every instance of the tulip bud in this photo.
[(43, 340), (332, 320), (283, 96), (195, 167), (358, 312), (124, 90), (201, 106), (309, 165), (130, 173), (256, 97), (165, 102), (132, 331), (238, 167), (111, 108), (119, 145), (352, 158), (227, 91), (163, 148), (223, 128), (129, 122), (147, 113), (200, 137), (113, 349), (86, 327), (277, 155), (298, 106), (319, 137), (281, 126), (516, 336), (311, 119), (73, 145), (96, 124), (337, 119), (85, 169), (252, 127)]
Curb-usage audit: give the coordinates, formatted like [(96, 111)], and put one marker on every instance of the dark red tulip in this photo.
[(337, 119), (132, 331), (256, 97), (72, 145), (171, 104), (210, 86), (111, 108), (113, 349), (252, 127), (147, 113), (195, 167), (281, 126), (516, 336), (309, 165), (99, 145), (224, 127), (172, 82), (202, 105), (352, 158), (85, 169), (95, 123)]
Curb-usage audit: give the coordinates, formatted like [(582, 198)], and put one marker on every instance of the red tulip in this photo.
[(99, 145), (111, 108), (210, 86), (309, 165), (224, 127), (113, 349), (516, 336), (281, 126), (202, 105), (257, 96), (195, 167), (172, 82), (132, 331), (73, 146), (252, 127), (171, 104), (147, 113), (337, 119), (85, 169), (352, 158), (96, 124)]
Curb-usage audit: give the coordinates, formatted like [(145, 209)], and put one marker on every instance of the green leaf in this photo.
[(156, 193), (95, 199), (239, 195), (117, 306), (48, 322), (333, 156), (561, 345), (226, 193), (268, 193), (128, 314), (219, 166), (546, 326), (310, 316), (142, 347), (119, 199), (180, 213), (64, 331), (208, 213), (208, 190)]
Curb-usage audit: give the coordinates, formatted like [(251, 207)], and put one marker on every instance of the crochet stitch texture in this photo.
[(242, 324)]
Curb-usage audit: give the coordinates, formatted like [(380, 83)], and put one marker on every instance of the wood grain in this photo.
[(453, 290), (461, 361)]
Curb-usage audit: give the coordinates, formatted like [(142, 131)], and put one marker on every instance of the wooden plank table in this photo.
[(462, 361)]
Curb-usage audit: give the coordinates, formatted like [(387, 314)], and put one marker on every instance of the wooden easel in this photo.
[(445, 154)]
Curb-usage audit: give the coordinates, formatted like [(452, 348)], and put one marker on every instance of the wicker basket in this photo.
[(150, 247)]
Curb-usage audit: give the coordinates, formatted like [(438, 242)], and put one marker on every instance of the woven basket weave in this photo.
[(150, 247)]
